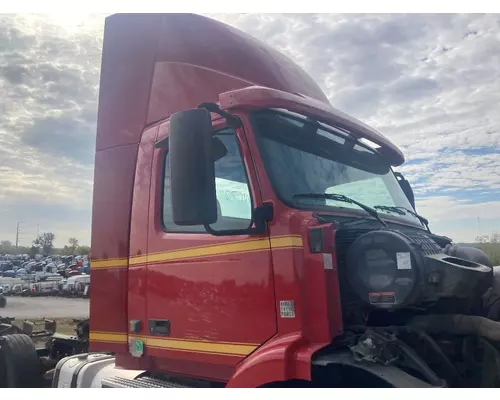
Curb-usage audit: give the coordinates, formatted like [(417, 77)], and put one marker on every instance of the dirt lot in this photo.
[(65, 326), (45, 307), (66, 313)]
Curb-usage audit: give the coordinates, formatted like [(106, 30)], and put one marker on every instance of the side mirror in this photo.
[(407, 189), (192, 174)]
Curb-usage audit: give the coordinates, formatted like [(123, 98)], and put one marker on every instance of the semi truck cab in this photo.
[(205, 139), (247, 234)]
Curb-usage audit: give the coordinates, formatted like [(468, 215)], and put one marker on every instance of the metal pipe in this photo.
[(458, 324)]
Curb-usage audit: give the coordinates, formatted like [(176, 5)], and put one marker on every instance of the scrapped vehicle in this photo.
[(247, 234), (17, 289), (60, 286), (67, 260), (44, 288), (51, 268), (6, 289), (21, 273), (80, 285), (75, 285), (86, 291), (48, 286)]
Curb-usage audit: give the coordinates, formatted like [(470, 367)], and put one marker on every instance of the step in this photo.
[(139, 383)]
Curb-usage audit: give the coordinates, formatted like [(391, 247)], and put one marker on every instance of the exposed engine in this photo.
[(414, 299)]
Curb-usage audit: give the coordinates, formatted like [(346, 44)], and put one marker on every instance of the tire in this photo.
[(3, 301), (19, 363)]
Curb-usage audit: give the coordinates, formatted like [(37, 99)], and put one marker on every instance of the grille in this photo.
[(426, 244), (345, 237)]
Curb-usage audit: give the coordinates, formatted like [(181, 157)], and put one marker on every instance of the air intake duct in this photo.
[(390, 270)]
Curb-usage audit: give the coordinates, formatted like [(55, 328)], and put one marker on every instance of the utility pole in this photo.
[(478, 224), (17, 234)]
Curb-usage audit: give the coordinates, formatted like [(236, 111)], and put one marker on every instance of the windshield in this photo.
[(302, 156)]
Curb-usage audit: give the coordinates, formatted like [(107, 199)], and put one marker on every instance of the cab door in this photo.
[(210, 299)]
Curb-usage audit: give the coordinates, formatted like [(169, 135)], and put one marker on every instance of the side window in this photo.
[(233, 193)]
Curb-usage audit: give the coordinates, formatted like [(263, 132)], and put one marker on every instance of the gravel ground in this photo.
[(45, 307)]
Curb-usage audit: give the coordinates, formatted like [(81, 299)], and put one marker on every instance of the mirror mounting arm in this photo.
[(261, 216), (406, 187), (232, 120)]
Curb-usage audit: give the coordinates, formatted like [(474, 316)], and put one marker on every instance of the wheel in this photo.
[(19, 364), (3, 301)]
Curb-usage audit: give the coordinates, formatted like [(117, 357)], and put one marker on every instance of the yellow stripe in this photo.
[(208, 251), (198, 352), (109, 337), (201, 347), (287, 241), (212, 245), (118, 263), (178, 344), (279, 242)]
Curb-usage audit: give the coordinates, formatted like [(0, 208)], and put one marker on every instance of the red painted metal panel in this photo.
[(199, 41), (113, 183), (178, 87), (146, 57), (137, 274), (217, 299), (108, 347), (299, 276), (283, 358), (128, 58), (113, 187)]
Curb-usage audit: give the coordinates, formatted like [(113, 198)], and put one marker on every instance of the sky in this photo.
[(429, 82)]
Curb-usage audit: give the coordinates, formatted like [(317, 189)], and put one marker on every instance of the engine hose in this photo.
[(452, 371), (495, 354), (458, 324), (420, 365)]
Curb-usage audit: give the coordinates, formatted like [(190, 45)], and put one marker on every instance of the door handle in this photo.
[(160, 327)]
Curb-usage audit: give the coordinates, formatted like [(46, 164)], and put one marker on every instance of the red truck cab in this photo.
[(245, 308), (223, 206), (247, 234)]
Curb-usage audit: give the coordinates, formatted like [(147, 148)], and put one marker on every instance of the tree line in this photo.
[(44, 244), (490, 244)]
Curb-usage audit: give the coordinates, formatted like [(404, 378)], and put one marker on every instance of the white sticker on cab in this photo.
[(327, 261), (287, 309), (403, 260)]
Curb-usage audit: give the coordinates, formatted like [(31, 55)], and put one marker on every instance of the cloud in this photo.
[(431, 83), (49, 80), (428, 82)]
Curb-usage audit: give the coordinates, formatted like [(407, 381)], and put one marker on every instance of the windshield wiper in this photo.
[(345, 199), (402, 211), (397, 210)]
